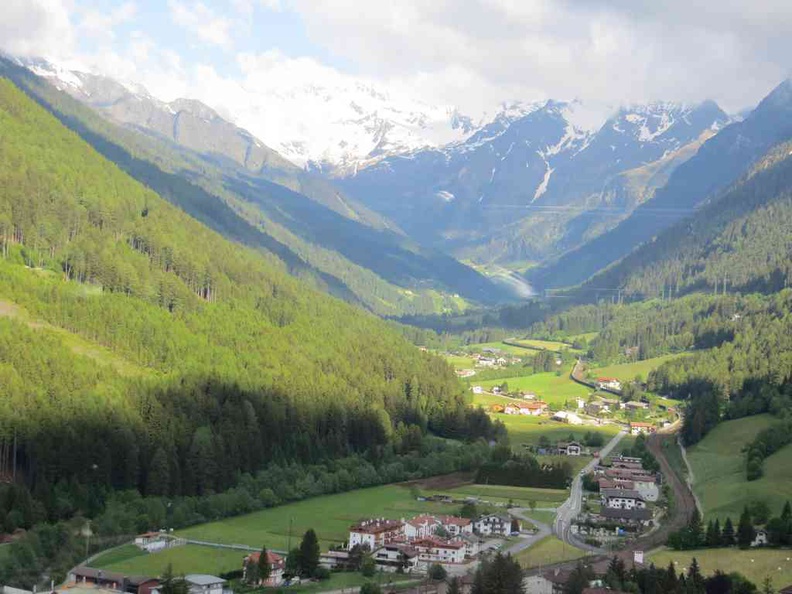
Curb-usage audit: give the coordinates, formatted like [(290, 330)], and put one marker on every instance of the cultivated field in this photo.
[(754, 564), (548, 550), (330, 516), (719, 470)]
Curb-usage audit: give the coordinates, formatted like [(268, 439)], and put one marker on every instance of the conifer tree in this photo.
[(728, 536), (745, 530)]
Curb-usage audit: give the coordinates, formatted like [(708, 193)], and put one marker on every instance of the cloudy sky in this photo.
[(470, 53)]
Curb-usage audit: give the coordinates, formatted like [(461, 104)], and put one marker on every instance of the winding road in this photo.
[(569, 510)]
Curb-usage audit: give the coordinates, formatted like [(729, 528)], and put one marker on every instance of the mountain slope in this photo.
[(719, 162), (196, 126), (741, 241), (533, 182), (379, 269), (248, 364)]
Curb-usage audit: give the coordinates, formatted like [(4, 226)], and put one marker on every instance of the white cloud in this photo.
[(36, 28), (602, 50), (202, 21), (101, 24)]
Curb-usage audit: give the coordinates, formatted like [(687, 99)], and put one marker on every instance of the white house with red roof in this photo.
[(276, 564), (420, 527), (455, 525), (375, 533), (435, 550)]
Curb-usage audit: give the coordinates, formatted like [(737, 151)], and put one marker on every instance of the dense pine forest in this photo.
[(143, 351)]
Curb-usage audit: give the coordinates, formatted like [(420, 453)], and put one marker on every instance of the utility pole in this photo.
[(15, 454)]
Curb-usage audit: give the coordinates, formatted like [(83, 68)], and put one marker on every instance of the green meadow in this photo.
[(330, 516), (628, 371), (754, 564), (555, 389), (548, 550), (184, 559), (719, 470)]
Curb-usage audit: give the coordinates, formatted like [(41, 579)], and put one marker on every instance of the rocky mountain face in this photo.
[(535, 182), (719, 162), (193, 125)]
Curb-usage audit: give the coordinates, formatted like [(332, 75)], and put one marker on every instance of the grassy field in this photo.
[(184, 559), (587, 336), (753, 564), (330, 516), (523, 429), (550, 345), (459, 362), (548, 550), (341, 581), (521, 496), (628, 371), (505, 348), (719, 470), (546, 517), (553, 389)]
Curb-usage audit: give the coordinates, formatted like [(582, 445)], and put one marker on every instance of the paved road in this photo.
[(569, 510), (542, 530)]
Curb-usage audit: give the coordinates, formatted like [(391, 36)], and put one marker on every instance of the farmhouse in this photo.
[(638, 428), (572, 448), (622, 499), (433, 550), (512, 409), (497, 408), (493, 524), (534, 409), (276, 564), (635, 405), (760, 539), (97, 577), (375, 532), (608, 383), (395, 557), (567, 417)]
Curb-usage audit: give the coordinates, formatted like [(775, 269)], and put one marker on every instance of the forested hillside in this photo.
[(239, 363), (373, 267), (741, 242)]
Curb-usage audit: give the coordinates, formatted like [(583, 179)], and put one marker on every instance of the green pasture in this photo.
[(719, 470), (628, 371)]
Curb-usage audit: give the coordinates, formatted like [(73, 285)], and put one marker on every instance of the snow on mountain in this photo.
[(347, 126), (523, 183), (331, 123)]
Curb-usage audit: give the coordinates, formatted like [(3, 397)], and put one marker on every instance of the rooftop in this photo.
[(203, 579), (375, 526), (625, 493)]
